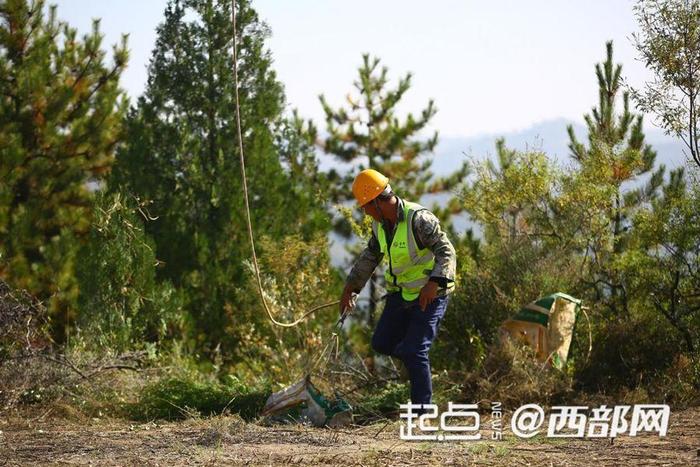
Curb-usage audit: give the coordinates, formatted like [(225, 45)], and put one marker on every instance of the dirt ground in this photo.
[(228, 440)]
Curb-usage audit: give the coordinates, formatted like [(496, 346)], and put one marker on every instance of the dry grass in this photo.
[(29, 439), (511, 375)]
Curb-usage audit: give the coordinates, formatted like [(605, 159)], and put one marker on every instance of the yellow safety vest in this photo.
[(409, 268)]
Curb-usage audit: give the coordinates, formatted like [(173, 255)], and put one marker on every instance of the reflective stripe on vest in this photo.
[(409, 268)]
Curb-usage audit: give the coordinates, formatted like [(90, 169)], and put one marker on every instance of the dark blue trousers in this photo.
[(406, 332)]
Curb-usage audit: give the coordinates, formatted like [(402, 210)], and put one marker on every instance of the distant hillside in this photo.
[(549, 136)]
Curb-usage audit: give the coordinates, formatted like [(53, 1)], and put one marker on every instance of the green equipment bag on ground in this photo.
[(546, 325), (303, 401)]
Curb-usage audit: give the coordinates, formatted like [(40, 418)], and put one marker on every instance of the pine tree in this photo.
[(60, 118), (182, 158), (369, 131), (616, 153), (308, 186), (121, 304)]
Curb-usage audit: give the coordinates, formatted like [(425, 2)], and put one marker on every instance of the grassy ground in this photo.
[(41, 438)]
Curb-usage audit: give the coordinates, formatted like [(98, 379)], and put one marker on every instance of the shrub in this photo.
[(680, 383), (627, 354), (122, 304), (513, 376), (23, 322), (379, 403), (177, 398)]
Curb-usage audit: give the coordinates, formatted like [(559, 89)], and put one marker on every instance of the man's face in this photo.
[(371, 210)]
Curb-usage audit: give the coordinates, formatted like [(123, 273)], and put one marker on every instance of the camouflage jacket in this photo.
[(428, 234)]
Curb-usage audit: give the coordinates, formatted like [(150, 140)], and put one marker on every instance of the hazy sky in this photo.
[(491, 66)]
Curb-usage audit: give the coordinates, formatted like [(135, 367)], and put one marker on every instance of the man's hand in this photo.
[(347, 300), (427, 294)]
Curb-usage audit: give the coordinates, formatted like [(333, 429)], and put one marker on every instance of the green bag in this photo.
[(547, 325), (304, 400)]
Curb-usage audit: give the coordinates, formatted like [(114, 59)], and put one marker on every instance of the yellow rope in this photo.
[(590, 332), (245, 190)]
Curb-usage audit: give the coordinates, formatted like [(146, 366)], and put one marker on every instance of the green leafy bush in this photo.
[(177, 398), (377, 404)]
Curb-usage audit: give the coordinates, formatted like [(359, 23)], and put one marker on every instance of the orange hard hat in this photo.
[(368, 185)]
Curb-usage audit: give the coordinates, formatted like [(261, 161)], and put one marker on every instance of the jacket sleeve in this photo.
[(365, 265), (426, 228)]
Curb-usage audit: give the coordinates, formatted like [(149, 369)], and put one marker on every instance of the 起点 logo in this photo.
[(461, 422)]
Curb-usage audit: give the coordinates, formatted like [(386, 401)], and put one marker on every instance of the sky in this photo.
[(491, 66)]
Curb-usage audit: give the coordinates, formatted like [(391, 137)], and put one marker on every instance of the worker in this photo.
[(420, 275)]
